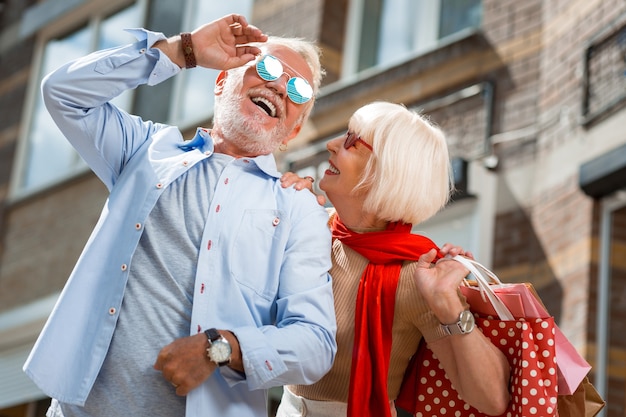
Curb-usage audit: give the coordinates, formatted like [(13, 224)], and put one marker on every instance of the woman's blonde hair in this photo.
[(409, 175)]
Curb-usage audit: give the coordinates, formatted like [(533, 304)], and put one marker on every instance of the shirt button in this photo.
[(124, 267), (275, 221), (207, 152), (138, 226), (185, 163), (159, 185), (226, 181), (112, 311), (217, 209), (142, 51)]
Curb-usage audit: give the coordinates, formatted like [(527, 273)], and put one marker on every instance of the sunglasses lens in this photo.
[(299, 90), (350, 140), (269, 68)]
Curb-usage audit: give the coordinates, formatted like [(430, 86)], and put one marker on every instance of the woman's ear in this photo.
[(219, 83)]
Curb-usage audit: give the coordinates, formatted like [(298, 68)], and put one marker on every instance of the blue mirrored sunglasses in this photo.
[(270, 68)]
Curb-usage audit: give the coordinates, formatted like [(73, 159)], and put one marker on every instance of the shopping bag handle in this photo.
[(484, 277)]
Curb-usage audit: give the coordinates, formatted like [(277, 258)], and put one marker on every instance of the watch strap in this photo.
[(187, 45), (212, 334), (450, 329), (458, 327)]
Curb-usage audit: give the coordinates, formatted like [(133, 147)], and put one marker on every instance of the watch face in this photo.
[(220, 351), (466, 321)]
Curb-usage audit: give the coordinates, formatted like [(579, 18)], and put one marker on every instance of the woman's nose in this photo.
[(334, 144)]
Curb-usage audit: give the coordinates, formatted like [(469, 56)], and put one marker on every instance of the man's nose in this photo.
[(279, 84)]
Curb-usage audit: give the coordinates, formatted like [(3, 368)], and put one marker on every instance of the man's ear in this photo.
[(293, 134), (219, 83)]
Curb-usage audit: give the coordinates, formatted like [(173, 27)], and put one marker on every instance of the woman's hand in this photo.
[(300, 183), (439, 283), (449, 250)]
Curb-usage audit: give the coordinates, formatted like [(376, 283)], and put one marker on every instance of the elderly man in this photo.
[(204, 282)]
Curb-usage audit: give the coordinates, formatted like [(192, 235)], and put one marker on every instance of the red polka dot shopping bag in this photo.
[(529, 345)]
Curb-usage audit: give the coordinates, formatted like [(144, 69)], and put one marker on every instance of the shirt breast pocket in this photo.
[(259, 249)]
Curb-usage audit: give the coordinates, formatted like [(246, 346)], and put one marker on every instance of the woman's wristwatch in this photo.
[(464, 325)]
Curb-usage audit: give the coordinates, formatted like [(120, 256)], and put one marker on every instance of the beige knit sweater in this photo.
[(412, 319)]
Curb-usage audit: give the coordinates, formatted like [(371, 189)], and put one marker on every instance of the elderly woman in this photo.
[(391, 171)]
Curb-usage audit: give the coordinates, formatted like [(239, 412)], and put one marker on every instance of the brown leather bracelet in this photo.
[(190, 57)]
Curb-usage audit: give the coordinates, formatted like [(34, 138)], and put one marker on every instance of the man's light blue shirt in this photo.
[(263, 260)]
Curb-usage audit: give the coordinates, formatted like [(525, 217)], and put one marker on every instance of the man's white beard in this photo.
[(247, 133)]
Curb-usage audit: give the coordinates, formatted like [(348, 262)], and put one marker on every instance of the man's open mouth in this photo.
[(267, 106)]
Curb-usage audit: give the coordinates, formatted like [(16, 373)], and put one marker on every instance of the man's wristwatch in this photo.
[(219, 349), (465, 324)]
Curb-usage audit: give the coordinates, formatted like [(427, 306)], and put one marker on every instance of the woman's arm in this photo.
[(478, 370)]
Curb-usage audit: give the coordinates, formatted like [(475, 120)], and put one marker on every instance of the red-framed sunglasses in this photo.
[(352, 138)]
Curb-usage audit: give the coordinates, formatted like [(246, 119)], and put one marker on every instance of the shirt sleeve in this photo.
[(301, 346), (78, 95)]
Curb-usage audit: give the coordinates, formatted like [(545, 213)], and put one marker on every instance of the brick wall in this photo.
[(47, 234), (15, 67)]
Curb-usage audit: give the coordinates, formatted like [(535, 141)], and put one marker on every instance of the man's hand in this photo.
[(220, 44), (184, 363)]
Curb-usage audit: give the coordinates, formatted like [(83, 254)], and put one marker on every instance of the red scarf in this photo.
[(386, 250)]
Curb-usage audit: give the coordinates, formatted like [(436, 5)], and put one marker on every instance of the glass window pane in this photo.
[(111, 34), (111, 30), (196, 98), (49, 156), (457, 15), (392, 30), (370, 30), (397, 34)]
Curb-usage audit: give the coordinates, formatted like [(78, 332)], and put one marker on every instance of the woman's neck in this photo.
[(355, 219)]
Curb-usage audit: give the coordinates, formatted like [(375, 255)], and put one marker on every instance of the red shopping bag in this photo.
[(529, 348), (523, 301), (527, 342)]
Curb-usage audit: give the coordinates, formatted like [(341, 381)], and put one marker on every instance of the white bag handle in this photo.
[(483, 278)]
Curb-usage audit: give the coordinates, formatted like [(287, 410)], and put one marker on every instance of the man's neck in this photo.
[(225, 147)]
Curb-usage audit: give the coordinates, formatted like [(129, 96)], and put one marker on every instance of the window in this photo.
[(47, 156), (193, 101), (605, 74), (381, 32)]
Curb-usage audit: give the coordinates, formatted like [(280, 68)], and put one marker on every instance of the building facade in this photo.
[(531, 96)]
